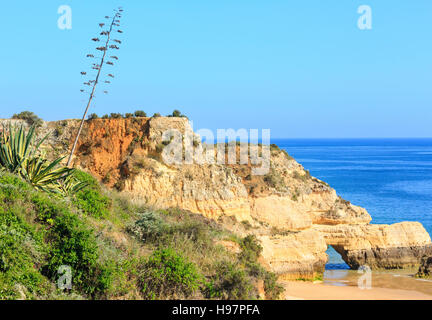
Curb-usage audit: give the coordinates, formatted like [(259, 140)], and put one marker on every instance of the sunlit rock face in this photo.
[(400, 245), (294, 215)]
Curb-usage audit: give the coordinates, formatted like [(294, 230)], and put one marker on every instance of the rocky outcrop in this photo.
[(379, 246), (295, 216), (295, 255), (425, 269)]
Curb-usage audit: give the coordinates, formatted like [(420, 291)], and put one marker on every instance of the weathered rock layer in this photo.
[(379, 246)]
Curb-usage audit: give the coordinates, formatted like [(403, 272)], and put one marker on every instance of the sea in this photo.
[(391, 178)]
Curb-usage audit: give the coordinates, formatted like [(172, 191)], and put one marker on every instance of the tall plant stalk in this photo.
[(115, 22)]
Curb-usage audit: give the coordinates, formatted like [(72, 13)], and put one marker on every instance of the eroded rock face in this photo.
[(425, 269), (295, 216), (296, 255), (393, 246), (280, 212), (212, 191)]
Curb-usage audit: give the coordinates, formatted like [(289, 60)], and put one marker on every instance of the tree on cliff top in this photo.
[(29, 117), (109, 44), (177, 114)]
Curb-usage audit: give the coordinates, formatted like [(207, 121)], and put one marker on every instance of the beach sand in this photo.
[(299, 290)]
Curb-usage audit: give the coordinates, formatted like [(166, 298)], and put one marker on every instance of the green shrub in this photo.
[(29, 117), (93, 203), (116, 115), (156, 115), (194, 230), (305, 177), (22, 250), (251, 248), (31, 252), (274, 180), (274, 147), (272, 289), (128, 115), (88, 179), (47, 209), (148, 227), (167, 274), (230, 282), (295, 194), (93, 116), (74, 245), (177, 113), (140, 113), (12, 187)]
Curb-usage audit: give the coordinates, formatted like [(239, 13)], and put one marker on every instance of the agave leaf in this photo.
[(70, 185), (20, 155)]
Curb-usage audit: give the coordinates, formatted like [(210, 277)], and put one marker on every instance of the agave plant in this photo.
[(44, 175), (16, 147), (70, 185), (19, 155)]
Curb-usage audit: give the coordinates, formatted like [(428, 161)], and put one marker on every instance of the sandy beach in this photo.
[(298, 290)]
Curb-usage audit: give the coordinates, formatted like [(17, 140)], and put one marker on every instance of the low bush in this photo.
[(140, 113), (74, 245), (12, 188), (231, 282), (166, 274), (88, 179), (302, 177), (46, 209), (21, 251), (93, 203), (29, 117), (148, 227), (93, 116), (176, 113), (116, 116), (274, 180), (193, 230), (251, 248)]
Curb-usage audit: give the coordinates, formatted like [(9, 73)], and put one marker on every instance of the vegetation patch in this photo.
[(167, 274), (29, 117)]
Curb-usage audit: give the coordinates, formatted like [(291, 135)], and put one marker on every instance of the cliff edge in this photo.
[(294, 215)]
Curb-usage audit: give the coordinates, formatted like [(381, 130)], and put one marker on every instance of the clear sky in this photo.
[(301, 68)]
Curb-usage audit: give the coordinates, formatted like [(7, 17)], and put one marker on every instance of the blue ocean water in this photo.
[(391, 178)]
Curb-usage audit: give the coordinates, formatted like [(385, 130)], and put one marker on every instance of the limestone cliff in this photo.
[(295, 215)]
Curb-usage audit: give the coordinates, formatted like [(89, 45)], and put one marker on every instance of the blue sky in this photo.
[(300, 68)]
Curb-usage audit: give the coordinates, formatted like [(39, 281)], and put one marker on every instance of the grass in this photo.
[(317, 277), (304, 178), (117, 249)]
